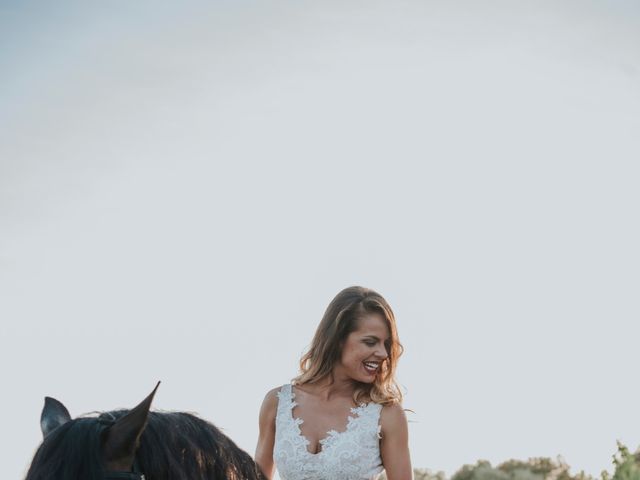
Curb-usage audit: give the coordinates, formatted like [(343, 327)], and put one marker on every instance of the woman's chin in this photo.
[(367, 378)]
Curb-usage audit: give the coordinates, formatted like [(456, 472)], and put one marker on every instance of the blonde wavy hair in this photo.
[(339, 320)]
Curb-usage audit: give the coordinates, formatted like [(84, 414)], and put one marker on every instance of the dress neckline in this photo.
[(325, 442)]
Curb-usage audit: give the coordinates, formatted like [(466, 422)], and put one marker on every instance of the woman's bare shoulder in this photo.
[(270, 402), (273, 393), (269, 409), (393, 416)]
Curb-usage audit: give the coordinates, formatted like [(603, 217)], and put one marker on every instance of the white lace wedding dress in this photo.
[(350, 455)]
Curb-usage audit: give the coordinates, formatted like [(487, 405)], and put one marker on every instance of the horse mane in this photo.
[(173, 446)]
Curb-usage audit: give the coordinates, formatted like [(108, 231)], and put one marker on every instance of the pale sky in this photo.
[(183, 189)]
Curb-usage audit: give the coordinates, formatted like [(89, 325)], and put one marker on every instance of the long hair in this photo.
[(173, 446), (339, 320)]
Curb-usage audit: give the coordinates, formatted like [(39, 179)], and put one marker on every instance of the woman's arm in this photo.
[(266, 437), (394, 445)]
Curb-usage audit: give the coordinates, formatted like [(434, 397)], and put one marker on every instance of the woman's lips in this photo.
[(371, 367)]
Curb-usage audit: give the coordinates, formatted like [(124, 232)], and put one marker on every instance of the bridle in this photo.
[(107, 419), (134, 474)]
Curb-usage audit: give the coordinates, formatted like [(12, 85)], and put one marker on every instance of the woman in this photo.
[(342, 417)]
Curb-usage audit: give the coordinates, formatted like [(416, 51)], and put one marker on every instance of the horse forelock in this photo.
[(70, 451)]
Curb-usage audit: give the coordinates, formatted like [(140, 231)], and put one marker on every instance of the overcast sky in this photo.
[(184, 188)]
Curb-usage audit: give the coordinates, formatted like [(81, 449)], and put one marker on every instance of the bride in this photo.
[(342, 417)]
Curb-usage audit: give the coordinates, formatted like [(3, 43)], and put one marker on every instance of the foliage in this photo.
[(627, 467), (537, 468)]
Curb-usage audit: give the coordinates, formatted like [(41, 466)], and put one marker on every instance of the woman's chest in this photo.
[(353, 454), (317, 422)]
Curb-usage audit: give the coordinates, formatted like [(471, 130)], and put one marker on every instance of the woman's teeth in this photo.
[(371, 366)]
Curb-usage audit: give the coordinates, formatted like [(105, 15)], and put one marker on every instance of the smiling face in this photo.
[(357, 345), (364, 349)]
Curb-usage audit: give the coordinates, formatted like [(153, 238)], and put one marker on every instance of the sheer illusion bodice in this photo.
[(353, 454)]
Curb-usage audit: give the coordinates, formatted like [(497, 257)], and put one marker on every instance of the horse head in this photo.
[(135, 444), (119, 438)]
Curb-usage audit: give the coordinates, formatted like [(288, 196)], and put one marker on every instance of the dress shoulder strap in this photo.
[(368, 417), (285, 392), (285, 399), (376, 410)]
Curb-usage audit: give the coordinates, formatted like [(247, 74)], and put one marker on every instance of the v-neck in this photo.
[(324, 442)]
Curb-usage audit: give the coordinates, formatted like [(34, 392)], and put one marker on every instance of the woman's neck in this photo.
[(332, 386)]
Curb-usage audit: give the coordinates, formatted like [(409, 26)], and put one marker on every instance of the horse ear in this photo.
[(123, 437), (54, 414)]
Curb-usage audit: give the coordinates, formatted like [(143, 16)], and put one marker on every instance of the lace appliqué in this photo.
[(350, 455)]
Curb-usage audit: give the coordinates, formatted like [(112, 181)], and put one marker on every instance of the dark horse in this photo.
[(135, 445)]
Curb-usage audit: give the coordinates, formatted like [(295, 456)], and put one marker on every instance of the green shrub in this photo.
[(627, 467)]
